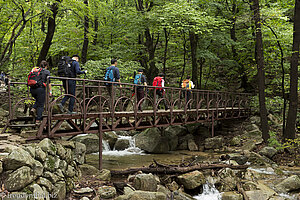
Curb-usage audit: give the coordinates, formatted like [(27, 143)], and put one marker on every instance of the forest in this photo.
[(227, 45)]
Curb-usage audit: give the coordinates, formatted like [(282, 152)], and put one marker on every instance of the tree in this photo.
[(292, 113), (259, 57), (85, 37), (50, 32)]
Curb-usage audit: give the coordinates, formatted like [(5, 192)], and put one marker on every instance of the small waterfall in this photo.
[(131, 150), (105, 146), (209, 193)]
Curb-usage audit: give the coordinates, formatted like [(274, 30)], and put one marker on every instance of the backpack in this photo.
[(109, 74), (65, 66), (35, 78), (157, 82), (186, 84), (138, 79)]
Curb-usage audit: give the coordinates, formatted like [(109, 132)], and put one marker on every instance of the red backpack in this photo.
[(157, 82), (35, 78)]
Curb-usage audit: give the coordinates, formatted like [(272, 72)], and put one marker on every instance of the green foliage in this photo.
[(96, 69), (273, 140)]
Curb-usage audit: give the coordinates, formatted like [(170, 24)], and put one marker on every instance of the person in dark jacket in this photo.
[(39, 93), (141, 81), (75, 69)]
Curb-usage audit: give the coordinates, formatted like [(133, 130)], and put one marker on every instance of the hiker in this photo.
[(140, 80), (112, 74), (188, 85), (160, 92), (37, 80), (74, 70), (2, 76)]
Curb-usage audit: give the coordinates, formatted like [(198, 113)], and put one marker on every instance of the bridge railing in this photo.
[(93, 96)]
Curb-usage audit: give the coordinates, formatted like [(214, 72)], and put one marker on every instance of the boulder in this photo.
[(111, 138), (61, 151), (268, 152), (192, 146), (191, 180), (40, 154), (235, 141), (163, 189), (179, 195), (60, 190), (121, 144), (231, 196), (249, 145), (38, 168), (176, 130), (46, 183), (289, 184), (107, 192), (192, 128), (70, 172), (256, 194), (254, 120), (173, 186), (18, 158), (104, 175), (66, 143), (251, 127), (36, 189), (228, 180), (91, 142), (88, 169), (143, 195), (240, 159), (47, 146), (79, 152), (203, 131), (30, 150), (213, 143), (50, 176), (145, 182), (152, 141), (183, 142), (172, 135), (83, 190), (19, 178)]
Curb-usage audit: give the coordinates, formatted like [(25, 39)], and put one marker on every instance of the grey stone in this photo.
[(152, 141), (38, 168), (19, 179), (191, 180), (60, 190), (70, 171), (128, 190), (191, 128), (163, 189), (107, 192), (47, 146), (79, 152), (251, 127), (143, 195), (104, 175), (227, 180), (50, 163), (268, 152), (213, 143), (91, 142), (231, 196), (192, 145), (121, 144), (40, 154), (69, 156), (289, 184), (45, 182), (177, 130), (37, 191), (18, 158), (52, 177), (240, 159), (63, 165), (30, 150), (84, 198), (179, 195), (83, 190), (145, 182), (66, 144), (111, 138), (235, 141), (88, 169), (172, 136), (61, 151), (1, 167)]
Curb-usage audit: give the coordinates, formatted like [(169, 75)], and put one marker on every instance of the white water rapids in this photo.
[(209, 193)]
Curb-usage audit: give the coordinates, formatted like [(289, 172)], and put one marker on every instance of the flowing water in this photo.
[(209, 193)]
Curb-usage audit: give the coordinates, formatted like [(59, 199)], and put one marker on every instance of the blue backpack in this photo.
[(109, 75), (138, 79)]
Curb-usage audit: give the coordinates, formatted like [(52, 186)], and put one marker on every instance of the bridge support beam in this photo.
[(100, 141)]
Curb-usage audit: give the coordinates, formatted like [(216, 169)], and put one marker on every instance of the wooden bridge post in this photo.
[(100, 141)]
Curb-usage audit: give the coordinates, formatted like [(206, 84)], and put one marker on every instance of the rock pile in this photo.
[(44, 168)]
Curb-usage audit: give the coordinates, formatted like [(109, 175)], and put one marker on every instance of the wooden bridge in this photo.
[(97, 111)]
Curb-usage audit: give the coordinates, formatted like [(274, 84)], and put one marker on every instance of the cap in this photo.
[(140, 70)]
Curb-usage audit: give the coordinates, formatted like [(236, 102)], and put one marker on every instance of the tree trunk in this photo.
[(292, 114), (50, 33), (184, 58), (193, 42), (96, 26), (151, 47), (166, 48), (86, 39), (261, 72)]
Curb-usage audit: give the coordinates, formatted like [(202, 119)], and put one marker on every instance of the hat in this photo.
[(140, 70)]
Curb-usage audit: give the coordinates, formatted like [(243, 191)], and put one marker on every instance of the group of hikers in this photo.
[(69, 67)]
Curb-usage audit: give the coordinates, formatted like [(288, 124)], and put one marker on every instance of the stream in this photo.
[(134, 157)]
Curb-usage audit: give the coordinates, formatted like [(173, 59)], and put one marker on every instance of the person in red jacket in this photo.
[(160, 91)]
